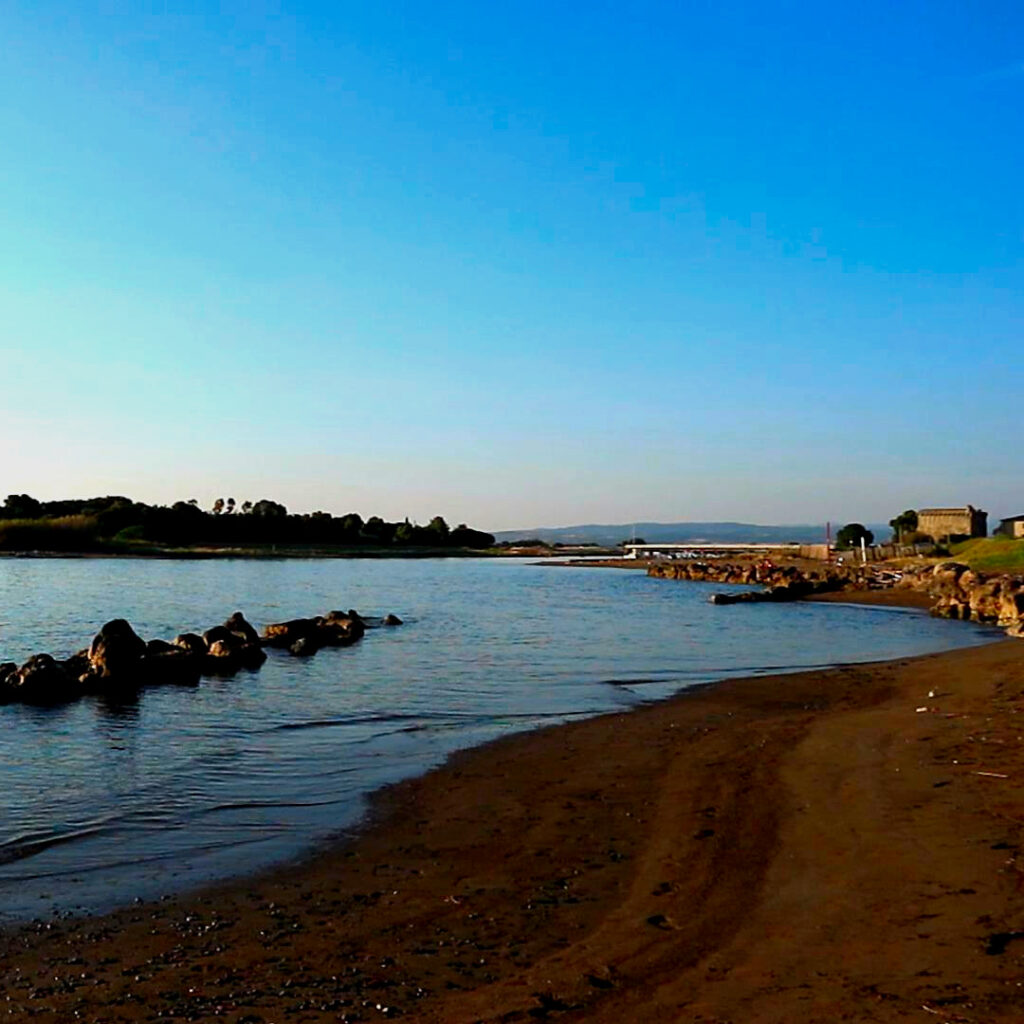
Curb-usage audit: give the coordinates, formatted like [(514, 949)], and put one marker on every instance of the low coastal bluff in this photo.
[(119, 661), (955, 590)]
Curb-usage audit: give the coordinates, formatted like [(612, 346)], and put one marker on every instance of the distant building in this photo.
[(1012, 527), (943, 523)]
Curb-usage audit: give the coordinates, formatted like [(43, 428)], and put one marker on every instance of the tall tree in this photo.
[(22, 506), (904, 524), (439, 526), (268, 508), (851, 534)]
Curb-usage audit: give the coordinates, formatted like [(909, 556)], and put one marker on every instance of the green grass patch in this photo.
[(991, 554)]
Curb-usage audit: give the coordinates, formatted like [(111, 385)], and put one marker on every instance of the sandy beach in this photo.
[(835, 845)]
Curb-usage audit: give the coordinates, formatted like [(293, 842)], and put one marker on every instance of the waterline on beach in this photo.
[(104, 803)]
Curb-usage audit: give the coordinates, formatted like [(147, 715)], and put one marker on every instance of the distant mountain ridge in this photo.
[(608, 535)]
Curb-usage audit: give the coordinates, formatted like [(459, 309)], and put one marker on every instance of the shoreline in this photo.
[(616, 868), (199, 553), (891, 598)]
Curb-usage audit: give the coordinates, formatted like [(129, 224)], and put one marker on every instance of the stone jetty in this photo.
[(781, 582), (118, 660), (956, 591)]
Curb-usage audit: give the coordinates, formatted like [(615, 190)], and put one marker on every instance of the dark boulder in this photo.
[(237, 624), (284, 634), (41, 680), (191, 642), (222, 659), (225, 650), (77, 665), (251, 655), (339, 629), (8, 670), (223, 635), (228, 650), (116, 651), (392, 620), (304, 647)]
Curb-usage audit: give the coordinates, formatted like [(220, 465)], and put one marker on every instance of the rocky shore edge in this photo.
[(953, 590), (118, 660)]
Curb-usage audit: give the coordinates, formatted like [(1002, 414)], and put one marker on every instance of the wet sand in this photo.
[(824, 846)]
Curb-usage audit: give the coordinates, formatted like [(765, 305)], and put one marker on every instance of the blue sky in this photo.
[(515, 264)]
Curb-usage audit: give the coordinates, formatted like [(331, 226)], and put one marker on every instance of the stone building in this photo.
[(944, 523), (1011, 527)]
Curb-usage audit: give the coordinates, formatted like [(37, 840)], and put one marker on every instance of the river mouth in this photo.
[(104, 802)]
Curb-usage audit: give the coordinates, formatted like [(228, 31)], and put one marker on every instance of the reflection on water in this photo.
[(122, 708), (108, 799)]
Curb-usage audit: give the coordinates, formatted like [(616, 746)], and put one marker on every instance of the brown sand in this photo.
[(824, 846)]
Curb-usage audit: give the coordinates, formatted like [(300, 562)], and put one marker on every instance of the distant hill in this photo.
[(683, 533)]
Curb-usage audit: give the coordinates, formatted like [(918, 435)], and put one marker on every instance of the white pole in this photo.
[(863, 550)]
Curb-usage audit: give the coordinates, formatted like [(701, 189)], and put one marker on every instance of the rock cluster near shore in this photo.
[(118, 660), (961, 593), (958, 592)]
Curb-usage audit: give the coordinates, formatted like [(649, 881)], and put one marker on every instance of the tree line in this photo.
[(27, 523)]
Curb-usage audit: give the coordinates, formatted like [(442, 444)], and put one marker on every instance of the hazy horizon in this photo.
[(515, 265)]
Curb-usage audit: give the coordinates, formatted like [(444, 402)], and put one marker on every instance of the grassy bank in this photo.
[(991, 554)]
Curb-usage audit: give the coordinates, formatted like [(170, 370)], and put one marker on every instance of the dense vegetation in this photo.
[(117, 523)]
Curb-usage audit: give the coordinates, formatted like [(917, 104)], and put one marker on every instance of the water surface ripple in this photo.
[(104, 802)]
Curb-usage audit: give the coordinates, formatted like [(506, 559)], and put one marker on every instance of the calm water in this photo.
[(102, 803)]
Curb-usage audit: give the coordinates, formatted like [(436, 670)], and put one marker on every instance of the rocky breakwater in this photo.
[(119, 661), (959, 592), (780, 582)]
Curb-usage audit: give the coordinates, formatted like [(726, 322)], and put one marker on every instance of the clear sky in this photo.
[(515, 263)]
